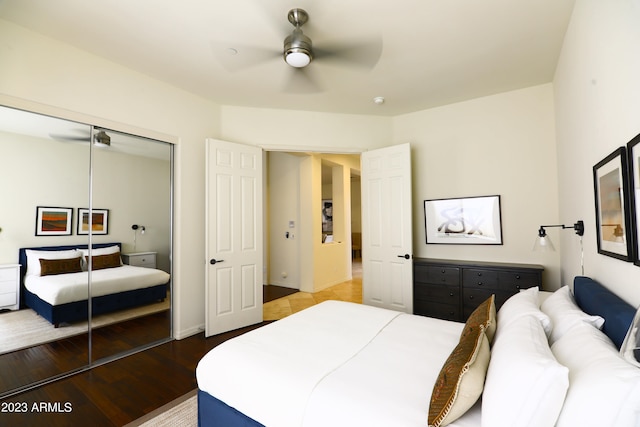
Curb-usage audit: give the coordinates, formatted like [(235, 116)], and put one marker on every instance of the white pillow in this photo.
[(34, 257), (524, 303), (605, 389), (96, 252), (632, 341), (525, 384), (564, 312)]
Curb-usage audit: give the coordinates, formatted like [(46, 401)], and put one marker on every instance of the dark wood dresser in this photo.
[(451, 290)]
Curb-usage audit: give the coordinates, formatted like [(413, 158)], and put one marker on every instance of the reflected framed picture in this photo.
[(633, 154), (613, 212), (99, 221), (463, 221), (51, 221)]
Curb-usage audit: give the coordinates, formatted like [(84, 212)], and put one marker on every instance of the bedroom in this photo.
[(567, 126)]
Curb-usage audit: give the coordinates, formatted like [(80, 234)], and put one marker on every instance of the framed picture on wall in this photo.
[(99, 221), (463, 221), (613, 212), (633, 155), (51, 221)]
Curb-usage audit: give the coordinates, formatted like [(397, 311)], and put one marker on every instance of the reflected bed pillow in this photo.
[(50, 267), (34, 257), (98, 251), (100, 262), (564, 312)]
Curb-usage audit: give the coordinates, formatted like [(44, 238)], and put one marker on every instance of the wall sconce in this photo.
[(138, 227), (543, 242)]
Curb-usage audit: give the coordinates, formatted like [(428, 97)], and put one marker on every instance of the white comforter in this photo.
[(64, 288), (334, 364)]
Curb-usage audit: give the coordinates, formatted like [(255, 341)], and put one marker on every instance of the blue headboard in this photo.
[(22, 254), (595, 299)]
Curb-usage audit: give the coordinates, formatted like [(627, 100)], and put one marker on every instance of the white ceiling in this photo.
[(434, 52)]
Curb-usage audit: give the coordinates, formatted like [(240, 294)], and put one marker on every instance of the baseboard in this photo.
[(179, 335)]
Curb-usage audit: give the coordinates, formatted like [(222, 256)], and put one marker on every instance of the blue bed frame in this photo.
[(590, 295), (79, 310)]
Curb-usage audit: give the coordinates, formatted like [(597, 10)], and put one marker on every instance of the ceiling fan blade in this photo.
[(236, 57), (68, 138), (302, 81), (363, 54)]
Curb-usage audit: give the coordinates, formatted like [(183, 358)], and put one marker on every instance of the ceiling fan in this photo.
[(100, 138), (298, 51)]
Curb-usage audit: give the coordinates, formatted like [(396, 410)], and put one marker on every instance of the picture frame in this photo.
[(99, 222), (612, 203), (463, 221), (327, 216), (633, 159), (54, 221)]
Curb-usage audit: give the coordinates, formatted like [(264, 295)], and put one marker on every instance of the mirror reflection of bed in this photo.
[(52, 165)]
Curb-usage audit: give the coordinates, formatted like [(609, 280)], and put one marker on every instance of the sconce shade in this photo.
[(543, 242)]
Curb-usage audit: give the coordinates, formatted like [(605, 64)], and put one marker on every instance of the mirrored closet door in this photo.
[(85, 246)]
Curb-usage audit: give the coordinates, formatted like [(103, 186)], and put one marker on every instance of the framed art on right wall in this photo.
[(613, 211), (633, 153)]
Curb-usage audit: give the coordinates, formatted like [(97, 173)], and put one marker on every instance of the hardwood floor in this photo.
[(124, 390), (118, 392)]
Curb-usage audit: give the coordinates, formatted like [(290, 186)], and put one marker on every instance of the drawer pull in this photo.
[(480, 283), (470, 296), (450, 294), (517, 277), (479, 274), (442, 271)]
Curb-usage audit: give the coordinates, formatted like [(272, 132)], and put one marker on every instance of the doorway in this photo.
[(308, 247)]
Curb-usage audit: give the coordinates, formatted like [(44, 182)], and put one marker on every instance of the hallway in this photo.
[(351, 290)]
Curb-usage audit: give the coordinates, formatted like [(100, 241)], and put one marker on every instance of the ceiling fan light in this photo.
[(297, 58)]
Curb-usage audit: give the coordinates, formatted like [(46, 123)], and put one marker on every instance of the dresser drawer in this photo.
[(8, 274), (8, 299), (427, 291), (140, 260), (472, 298), (438, 310), (444, 275), (7, 286), (514, 281), (472, 278)]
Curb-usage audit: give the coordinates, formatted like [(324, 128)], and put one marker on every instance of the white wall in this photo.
[(284, 206), (43, 75), (597, 94), (502, 144)]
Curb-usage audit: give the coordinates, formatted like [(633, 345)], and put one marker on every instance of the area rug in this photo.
[(182, 412), (24, 328)]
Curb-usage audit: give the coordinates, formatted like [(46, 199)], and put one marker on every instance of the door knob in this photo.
[(405, 256), (214, 261)]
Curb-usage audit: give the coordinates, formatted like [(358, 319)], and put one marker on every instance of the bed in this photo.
[(54, 282), (565, 358)]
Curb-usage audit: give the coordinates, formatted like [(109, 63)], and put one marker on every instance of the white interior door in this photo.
[(234, 226), (387, 266)]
